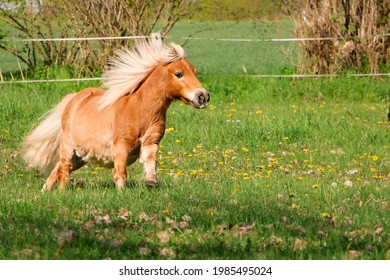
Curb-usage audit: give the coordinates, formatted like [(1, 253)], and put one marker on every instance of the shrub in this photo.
[(37, 19), (358, 28)]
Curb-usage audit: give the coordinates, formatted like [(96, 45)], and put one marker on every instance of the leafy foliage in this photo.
[(358, 28), (83, 19)]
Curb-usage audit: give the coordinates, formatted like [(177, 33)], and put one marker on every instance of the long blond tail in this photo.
[(40, 147)]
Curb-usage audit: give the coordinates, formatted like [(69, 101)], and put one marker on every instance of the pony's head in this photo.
[(183, 83), (131, 67)]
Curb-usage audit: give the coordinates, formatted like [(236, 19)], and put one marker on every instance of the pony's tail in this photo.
[(40, 147)]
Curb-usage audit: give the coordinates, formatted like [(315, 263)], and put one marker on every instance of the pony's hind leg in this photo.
[(63, 173), (60, 174), (52, 179), (62, 170), (54, 176), (67, 166)]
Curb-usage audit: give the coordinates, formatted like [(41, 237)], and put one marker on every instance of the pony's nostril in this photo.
[(201, 99)]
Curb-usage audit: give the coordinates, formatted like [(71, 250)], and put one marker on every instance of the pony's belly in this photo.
[(102, 159)]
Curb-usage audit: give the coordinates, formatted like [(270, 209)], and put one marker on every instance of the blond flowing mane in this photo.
[(130, 67)]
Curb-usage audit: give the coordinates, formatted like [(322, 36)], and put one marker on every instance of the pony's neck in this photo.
[(152, 97)]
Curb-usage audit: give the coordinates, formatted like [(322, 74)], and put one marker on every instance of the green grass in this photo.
[(272, 169)]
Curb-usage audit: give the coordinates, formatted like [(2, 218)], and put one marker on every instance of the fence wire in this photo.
[(294, 76)]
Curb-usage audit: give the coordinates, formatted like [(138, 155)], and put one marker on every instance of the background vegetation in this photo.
[(45, 20), (360, 30)]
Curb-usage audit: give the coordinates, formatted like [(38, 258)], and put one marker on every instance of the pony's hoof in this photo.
[(44, 188), (151, 183)]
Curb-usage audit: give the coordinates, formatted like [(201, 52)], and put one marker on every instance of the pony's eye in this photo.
[(179, 75)]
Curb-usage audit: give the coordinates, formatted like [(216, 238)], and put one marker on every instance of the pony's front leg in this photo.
[(120, 163), (149, 159)]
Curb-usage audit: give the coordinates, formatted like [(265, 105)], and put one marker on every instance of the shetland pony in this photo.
[(116, 127)]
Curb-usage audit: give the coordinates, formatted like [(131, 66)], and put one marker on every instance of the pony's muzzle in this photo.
[(200, 98)]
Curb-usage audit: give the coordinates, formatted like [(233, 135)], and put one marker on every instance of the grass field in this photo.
[(276, 169), (272, 169)]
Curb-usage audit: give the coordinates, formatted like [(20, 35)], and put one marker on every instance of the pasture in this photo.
[(272, 169)]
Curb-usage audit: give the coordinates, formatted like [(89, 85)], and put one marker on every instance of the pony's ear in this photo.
[(157, 41), (179, 51)]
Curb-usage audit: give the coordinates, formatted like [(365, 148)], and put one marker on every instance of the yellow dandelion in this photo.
[(325, 215), (315, 186), (375, 158), (295, 206), (165, 211), (177, 141), (210, 212), (245, 149), (171, 129)]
